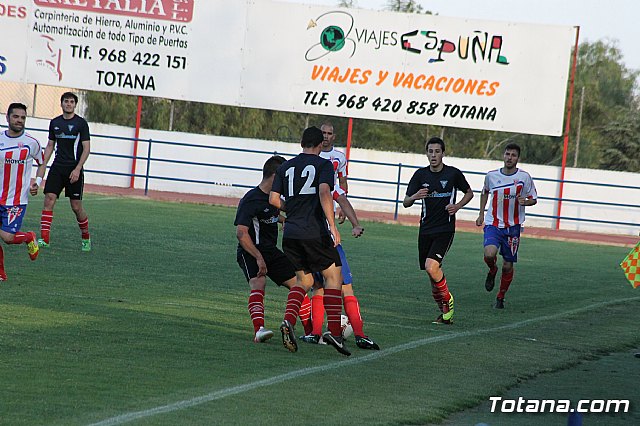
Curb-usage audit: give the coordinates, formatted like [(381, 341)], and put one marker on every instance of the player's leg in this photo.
[(256, 309), (435, 248), (74, 192), (314, 335), (333, 306), (52, 189), (12, 217), (509, 252), (491, 244), (255, 304), (296, 296), (283, 273)]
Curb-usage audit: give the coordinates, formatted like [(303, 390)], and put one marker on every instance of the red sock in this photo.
[(2, 261), (491, 263), (505, 282), (317, 313), (435, 292), (256, 308), (294, 300), (333, 305), (20, 237), (442, 288), (84, 228), (305, 315), (45, 224), (352, 308)]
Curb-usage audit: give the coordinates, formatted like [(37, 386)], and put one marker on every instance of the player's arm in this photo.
[(48, 150), (86, 150), (242, 233), (42, 168), (484, 197), (348, 210), (453, 208), (418, 195), (524, 201), (276, 200), (342, 181), (326, 201)]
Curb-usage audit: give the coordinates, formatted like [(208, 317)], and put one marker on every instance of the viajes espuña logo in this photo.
[(333, 30)]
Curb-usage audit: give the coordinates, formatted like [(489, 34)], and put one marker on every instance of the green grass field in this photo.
[(151, 328)]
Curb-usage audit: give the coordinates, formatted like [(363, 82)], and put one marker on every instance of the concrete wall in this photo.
[(224, 178)]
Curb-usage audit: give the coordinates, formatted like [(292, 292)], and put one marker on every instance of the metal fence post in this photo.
[(395, 213), (146, 176)]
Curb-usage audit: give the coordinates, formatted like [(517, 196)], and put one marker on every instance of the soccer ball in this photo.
[(345, 325)]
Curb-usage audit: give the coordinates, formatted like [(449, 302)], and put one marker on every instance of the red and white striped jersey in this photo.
[(339, 161), (17, 155), (503, 210)]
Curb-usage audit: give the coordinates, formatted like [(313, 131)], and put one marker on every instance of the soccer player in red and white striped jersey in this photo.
[(18, 150), (511, 190)]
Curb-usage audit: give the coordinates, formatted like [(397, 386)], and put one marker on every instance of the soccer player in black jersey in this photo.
[(258, 256), (436, 187), (69, 137), (310, 235)]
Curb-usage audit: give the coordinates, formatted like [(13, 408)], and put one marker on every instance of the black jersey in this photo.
[(68, 135), (442, 187), (298, 180), (255, 212)]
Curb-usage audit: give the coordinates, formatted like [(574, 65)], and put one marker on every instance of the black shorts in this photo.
[(279, 268), (312, 255), (433, 246), (58, 178)]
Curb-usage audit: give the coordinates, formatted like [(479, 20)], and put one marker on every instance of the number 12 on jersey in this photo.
[(308, 175)]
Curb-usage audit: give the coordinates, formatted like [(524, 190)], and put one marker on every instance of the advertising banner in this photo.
[(266, 54)]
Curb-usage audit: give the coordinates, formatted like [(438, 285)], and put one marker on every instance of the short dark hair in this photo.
[(271, 165), (311, 137), (15, 105), (68, 95), (513, 146), (434, 140)]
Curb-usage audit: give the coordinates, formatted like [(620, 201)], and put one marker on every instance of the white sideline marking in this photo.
[(223, 393)]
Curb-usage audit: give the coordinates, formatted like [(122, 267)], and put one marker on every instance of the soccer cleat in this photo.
[(311, 338), (42, 243), (447, 309), (32, 246), (490, 281), (288, 337), (364, 342), (336, 342), (262, 335), (86, 245), (499, 303), (3, 276), (441, 320)]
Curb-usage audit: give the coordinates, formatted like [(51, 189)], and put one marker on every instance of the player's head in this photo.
[(311, 137), (69, 95), (511, 155), (68, 102), (435, 151), (271, 165), (328, 135), (16, 117)]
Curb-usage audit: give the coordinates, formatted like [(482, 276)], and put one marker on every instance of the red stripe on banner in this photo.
[(19, 177), (494, 208), (505, 207), (6, 178)]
